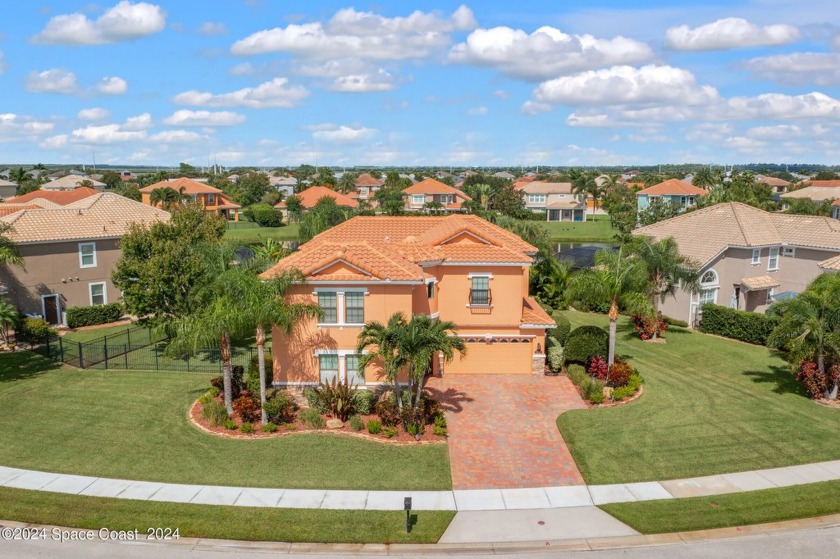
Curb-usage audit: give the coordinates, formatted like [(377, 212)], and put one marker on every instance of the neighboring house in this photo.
[(779, 186), (555, 199), (429, 191), (69, 253), (69, 182), (747, 257), (673, 190), (366, 186), (8, 189), (457, 268), (56, 197), (310, 197), (208, 197), (284, 185), (816, 191), (835, 209), (504, 175)]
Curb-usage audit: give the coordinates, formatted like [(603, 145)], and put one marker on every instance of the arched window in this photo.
[(709, 277)]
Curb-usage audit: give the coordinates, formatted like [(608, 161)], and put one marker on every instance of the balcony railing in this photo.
[(480, 297)]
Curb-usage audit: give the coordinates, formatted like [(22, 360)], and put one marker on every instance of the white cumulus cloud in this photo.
[(210, 28), (363, 83), (54, 142), (139, 122), (821, 68), (176, 137), (112, 86), (545, 53), (277, 93), (729, 33), (55, 80), (342, 134), (780, 106), (94, 113), (204, 118), (124, 22), (106, 134), (15, 128)]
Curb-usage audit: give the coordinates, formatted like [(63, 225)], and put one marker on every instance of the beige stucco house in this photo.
[(69, 253), (747, 257), (556, 199)]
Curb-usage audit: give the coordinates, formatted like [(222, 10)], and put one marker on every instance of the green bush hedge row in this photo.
[(748, 327), (91, 316)]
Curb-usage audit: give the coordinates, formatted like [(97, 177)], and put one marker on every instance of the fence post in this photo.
[(49, 353), (81, 358), (61, 350), (188, 362), (128, 335), (155, 349), (105, 350), (126, 348)]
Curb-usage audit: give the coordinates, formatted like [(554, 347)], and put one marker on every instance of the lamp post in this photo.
[(407, 507)]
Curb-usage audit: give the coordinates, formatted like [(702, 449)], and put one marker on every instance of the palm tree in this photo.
[(380, 343), (8, 317), (667, 270), (619, 279), (584, 183), (18, 176), (347, 183), (549, 280), (9, 253), (704, 178), (263, 304), (809, 325), (164, 196), (271, 250)]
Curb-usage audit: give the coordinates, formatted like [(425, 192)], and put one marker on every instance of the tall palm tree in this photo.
[(164, 196), (347, 183), (18, 176), (704, 178), (667, 270), (619, 279), (584, 183), (810, 325), (379, 341)]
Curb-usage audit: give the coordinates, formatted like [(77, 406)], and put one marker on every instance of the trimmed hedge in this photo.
[(91, 316), (265, 215), (585, 342), (564, 327), (748, 327)]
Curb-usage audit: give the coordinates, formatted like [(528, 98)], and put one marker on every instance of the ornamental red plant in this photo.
[(598, 368), (647, 326), (248, 408), (620, 373), (816, 384)]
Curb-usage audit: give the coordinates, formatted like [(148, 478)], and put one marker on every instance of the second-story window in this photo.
[(756, 256), (430, 290), (328, 303), (417, 199), (87, 255), (480, 291), (354, 307), (211, 199), (536, 198), (773, 259)]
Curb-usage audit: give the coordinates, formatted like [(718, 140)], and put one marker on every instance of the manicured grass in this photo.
[(133, 425), (596, 229), (206, 521), (94, 333), (710, 406), (253, 235), (737, 509)]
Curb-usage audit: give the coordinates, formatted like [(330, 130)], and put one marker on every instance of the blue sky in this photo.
[(265, 82)]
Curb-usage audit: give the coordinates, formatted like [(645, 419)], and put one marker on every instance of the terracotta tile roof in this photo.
[(69, 182), (190, 186), (823, 184), (103, 216), (836, 202), (673, 187), (42, 203), (60, 197), (567, 205), (772, 181), (703, 234), (311, 195), (382, 247), (759, 282), (366, 180), (831, 264), (6, 209), (432, 186), (541, 187), (533, 313)]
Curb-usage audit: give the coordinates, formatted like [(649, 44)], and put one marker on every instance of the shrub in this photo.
[(748, 327), (439, 431), (816, 384), (35, 330), (213, 392), (387, 410), (674, 322), (215, 413), (389, 432), (564, 327), (281, 408), (595, 392), (415, 429), (230, 425), (440, 419), (598, 368), (254, 373), (314, 401), (620, 373), (585, 342), (247, 427), (247, 408), (269, 428), (236, 384), (91, 316), (363, 401), (311, 418), (577, 374), (556, 355), (374, 426), (356, 423), (337, 397), (646, 326), (629, 389), (265, 215), (205, 399)]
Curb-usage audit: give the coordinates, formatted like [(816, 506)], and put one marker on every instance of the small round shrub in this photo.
[(281, 408), (595, 392), (585, 342), (620, 373), (311, 418), (247, 427), (230, 425), (269, 428), (439, 431), (247, 408), (387, 410), (814, 383), (315, 401), (356, 423), (389, 432), (374, 426), (629, 389), (440, 419), (364, 401)]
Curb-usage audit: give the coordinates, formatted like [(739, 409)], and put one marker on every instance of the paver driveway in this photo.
[(502, 430)]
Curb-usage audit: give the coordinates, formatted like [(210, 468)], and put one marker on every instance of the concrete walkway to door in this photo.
[(503, 432)]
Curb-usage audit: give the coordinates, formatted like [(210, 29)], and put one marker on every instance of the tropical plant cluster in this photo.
[(92, 316)]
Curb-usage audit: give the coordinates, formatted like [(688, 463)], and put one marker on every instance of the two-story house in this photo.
[(69, 252), (208, 197), (431, 191), (459, 268), (310, 196), (674, 191), (71, 181), (747, 257), (366, 186), (555, 199), (816, 191)]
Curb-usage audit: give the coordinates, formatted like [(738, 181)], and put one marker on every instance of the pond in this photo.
[(581, 255)]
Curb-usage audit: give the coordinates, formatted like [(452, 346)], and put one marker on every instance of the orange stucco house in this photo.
[(459, 268), (208, 197)]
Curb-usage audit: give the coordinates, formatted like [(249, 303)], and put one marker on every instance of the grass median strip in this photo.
[(736, 509), (224, 522)]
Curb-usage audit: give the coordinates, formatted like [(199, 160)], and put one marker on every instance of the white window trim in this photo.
[(472, 275), (414, 198), (211, 198), (536, 198), (715, 283), (104, 292), (342, 361), (340, 309), (81, 259), (756, 261), (770, 260)]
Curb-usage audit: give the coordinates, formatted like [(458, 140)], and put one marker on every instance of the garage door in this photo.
[(493, 358)]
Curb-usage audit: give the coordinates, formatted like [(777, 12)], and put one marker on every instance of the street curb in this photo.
[(590, 544)]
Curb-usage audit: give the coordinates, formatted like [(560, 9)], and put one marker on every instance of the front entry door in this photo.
[(52, 308)]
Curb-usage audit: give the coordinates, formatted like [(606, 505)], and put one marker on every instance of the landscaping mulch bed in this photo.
[(298, 427)]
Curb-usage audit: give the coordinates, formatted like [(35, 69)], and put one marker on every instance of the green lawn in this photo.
[(710, 406), (133, 425), (255, 234), (204, 521), (737, 509), (87, 335), (596, 229)]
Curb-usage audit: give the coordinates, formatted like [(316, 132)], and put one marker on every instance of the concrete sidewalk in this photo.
[(458, 500)]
